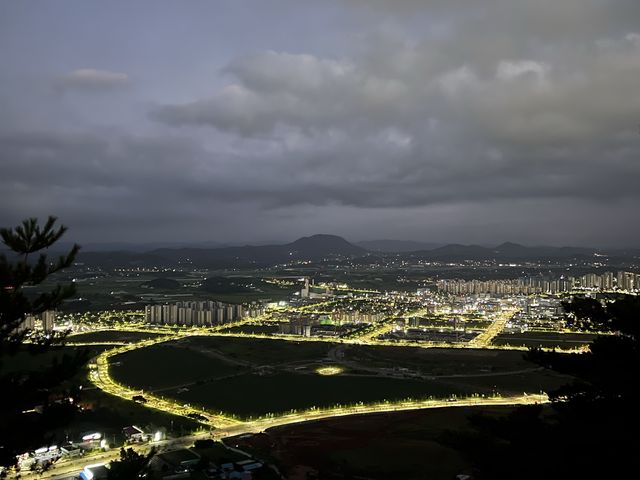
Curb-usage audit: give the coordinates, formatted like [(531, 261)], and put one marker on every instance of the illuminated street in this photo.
[(70, 467), (100, 376), (485, 338), (219, 425)]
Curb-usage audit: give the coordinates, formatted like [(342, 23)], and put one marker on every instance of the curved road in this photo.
[(225, 426), (67, 468)]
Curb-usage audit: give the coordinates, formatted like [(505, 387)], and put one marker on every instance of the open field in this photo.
[(111, 336), (250, 377), (245, 297), (437, 361), (197, 359), (257, 395), (115, 291), (24, 360), (261, 351), (168, 364), (544, 339), (514, 384), (407, 445), (259, 329)]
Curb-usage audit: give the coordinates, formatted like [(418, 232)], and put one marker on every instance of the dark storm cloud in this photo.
[(425, 117), (422, 131), (91, 80), (518, 23)]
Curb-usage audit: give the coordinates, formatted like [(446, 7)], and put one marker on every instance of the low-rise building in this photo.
[(94, 472), (174, 464), (134, 434)]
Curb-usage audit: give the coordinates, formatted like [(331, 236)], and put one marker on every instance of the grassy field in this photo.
[(438, 361), (256, 395), (111, 336), (253, 377), (407, 445), (264, 329), (24, 360), (263, 351), (198, 358), (113, 291), (167, 364), (245, 297), (544, 339), (515, 384)]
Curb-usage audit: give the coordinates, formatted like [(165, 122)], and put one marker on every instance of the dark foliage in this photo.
[(163, 283), (33, 402), (130, 465), (224, 285), (589, 430), (206, 443)]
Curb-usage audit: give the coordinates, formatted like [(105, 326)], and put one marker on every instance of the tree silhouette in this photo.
[(586, 432), (130, 465), (24, 427)]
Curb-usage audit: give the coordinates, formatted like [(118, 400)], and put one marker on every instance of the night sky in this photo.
[(265, 120)]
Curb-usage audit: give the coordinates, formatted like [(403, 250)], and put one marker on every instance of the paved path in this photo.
[(66, 468), (485, 338)]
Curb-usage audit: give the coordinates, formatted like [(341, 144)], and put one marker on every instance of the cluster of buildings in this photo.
[(627, 281), (185, 464), (622, 281), (203, 313), (44, 322), (538, 313), (88, 442), (302, 327), (49, 454), (310, 291), (182, 463), (355, 317), (331, 324), (430, 335)]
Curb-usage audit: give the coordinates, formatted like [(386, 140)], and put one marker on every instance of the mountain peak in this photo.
[(320, 237), (509, 246), (325, 243)]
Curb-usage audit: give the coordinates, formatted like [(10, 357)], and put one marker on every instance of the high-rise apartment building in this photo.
[(203, 313)]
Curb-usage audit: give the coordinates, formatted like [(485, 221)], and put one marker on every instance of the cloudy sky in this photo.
[(436, 120)]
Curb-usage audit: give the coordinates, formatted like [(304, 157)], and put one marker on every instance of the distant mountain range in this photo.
[(315, 247), (137, 247), (397, 245), (505, 251), (319, 247)]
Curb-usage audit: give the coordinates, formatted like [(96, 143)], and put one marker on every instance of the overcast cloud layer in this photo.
[(256, 121)]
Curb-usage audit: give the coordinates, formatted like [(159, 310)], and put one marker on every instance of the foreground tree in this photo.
[(589, 430), (33, 400), (130, 465)]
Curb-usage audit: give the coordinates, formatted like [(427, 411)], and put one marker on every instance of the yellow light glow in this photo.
[(329, 370)]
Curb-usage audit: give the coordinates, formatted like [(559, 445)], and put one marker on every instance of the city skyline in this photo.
[(247, 121)]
